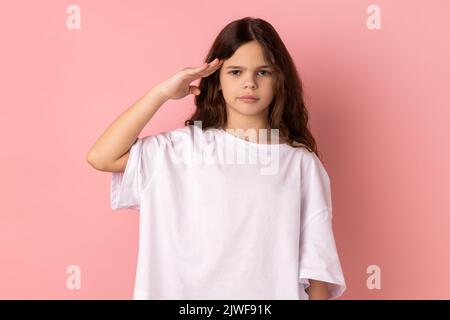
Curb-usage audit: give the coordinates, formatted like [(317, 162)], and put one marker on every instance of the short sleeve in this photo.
[(319, 258), (126, 187)]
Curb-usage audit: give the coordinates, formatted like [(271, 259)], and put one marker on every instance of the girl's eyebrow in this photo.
[(239, 67)]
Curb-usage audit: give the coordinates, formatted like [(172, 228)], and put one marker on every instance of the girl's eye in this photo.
[(233, 72), (267, 72)]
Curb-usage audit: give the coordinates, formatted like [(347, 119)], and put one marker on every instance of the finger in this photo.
[(207, 66), (213, 61), (216, 62), (210, 69), (194, 90), (195, 71), (204, 66), (204, 69), (204, 75), (208, 74)]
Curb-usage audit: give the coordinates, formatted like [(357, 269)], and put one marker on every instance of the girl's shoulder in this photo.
[(174, 135)]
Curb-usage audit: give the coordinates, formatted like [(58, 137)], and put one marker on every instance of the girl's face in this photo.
[(246, 73)]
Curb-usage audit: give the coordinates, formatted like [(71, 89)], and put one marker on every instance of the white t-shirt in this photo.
[(256, 226)]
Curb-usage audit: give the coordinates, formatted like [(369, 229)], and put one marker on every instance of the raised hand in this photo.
[(178, 86)]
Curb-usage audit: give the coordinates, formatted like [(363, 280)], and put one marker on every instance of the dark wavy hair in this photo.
[(287, 111)]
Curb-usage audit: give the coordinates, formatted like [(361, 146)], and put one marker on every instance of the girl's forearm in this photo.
[(118, 138), (318, 290)]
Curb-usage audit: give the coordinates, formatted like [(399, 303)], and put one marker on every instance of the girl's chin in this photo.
[(247, 109)]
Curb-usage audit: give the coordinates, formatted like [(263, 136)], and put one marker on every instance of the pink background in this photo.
[(379, 108)]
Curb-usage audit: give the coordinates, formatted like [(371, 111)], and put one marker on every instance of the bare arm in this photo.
[(111, 151), (318, 290), (117, 139)]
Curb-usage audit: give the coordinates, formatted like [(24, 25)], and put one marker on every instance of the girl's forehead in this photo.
[(245, 64), (245, 67)]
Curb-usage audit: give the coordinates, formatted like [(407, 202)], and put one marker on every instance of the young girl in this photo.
[(223, 214)]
